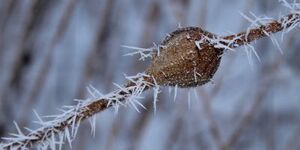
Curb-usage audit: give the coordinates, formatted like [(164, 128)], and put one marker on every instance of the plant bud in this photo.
[(180, 62)]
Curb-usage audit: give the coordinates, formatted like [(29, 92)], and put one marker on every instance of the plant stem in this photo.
[(253, 34), (73, 118)]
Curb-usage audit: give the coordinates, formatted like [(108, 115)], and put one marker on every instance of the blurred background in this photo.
[(51, 50)]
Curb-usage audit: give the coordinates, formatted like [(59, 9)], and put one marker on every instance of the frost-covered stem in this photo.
[(243, 38), (73, 118)]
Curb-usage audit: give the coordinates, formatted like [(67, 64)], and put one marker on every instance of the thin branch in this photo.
[(51, 132), (285, 23)]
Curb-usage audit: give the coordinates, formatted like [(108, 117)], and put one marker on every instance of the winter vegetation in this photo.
[(184, 97)]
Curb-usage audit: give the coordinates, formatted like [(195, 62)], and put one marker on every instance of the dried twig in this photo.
[(286, 23), (53, 132)]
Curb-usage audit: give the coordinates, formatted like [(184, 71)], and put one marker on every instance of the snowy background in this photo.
[(51, 50)]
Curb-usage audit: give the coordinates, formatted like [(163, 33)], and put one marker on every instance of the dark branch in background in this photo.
[(77, 114), (43, 70)]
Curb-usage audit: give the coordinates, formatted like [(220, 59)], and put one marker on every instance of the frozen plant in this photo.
[(189, 57)]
